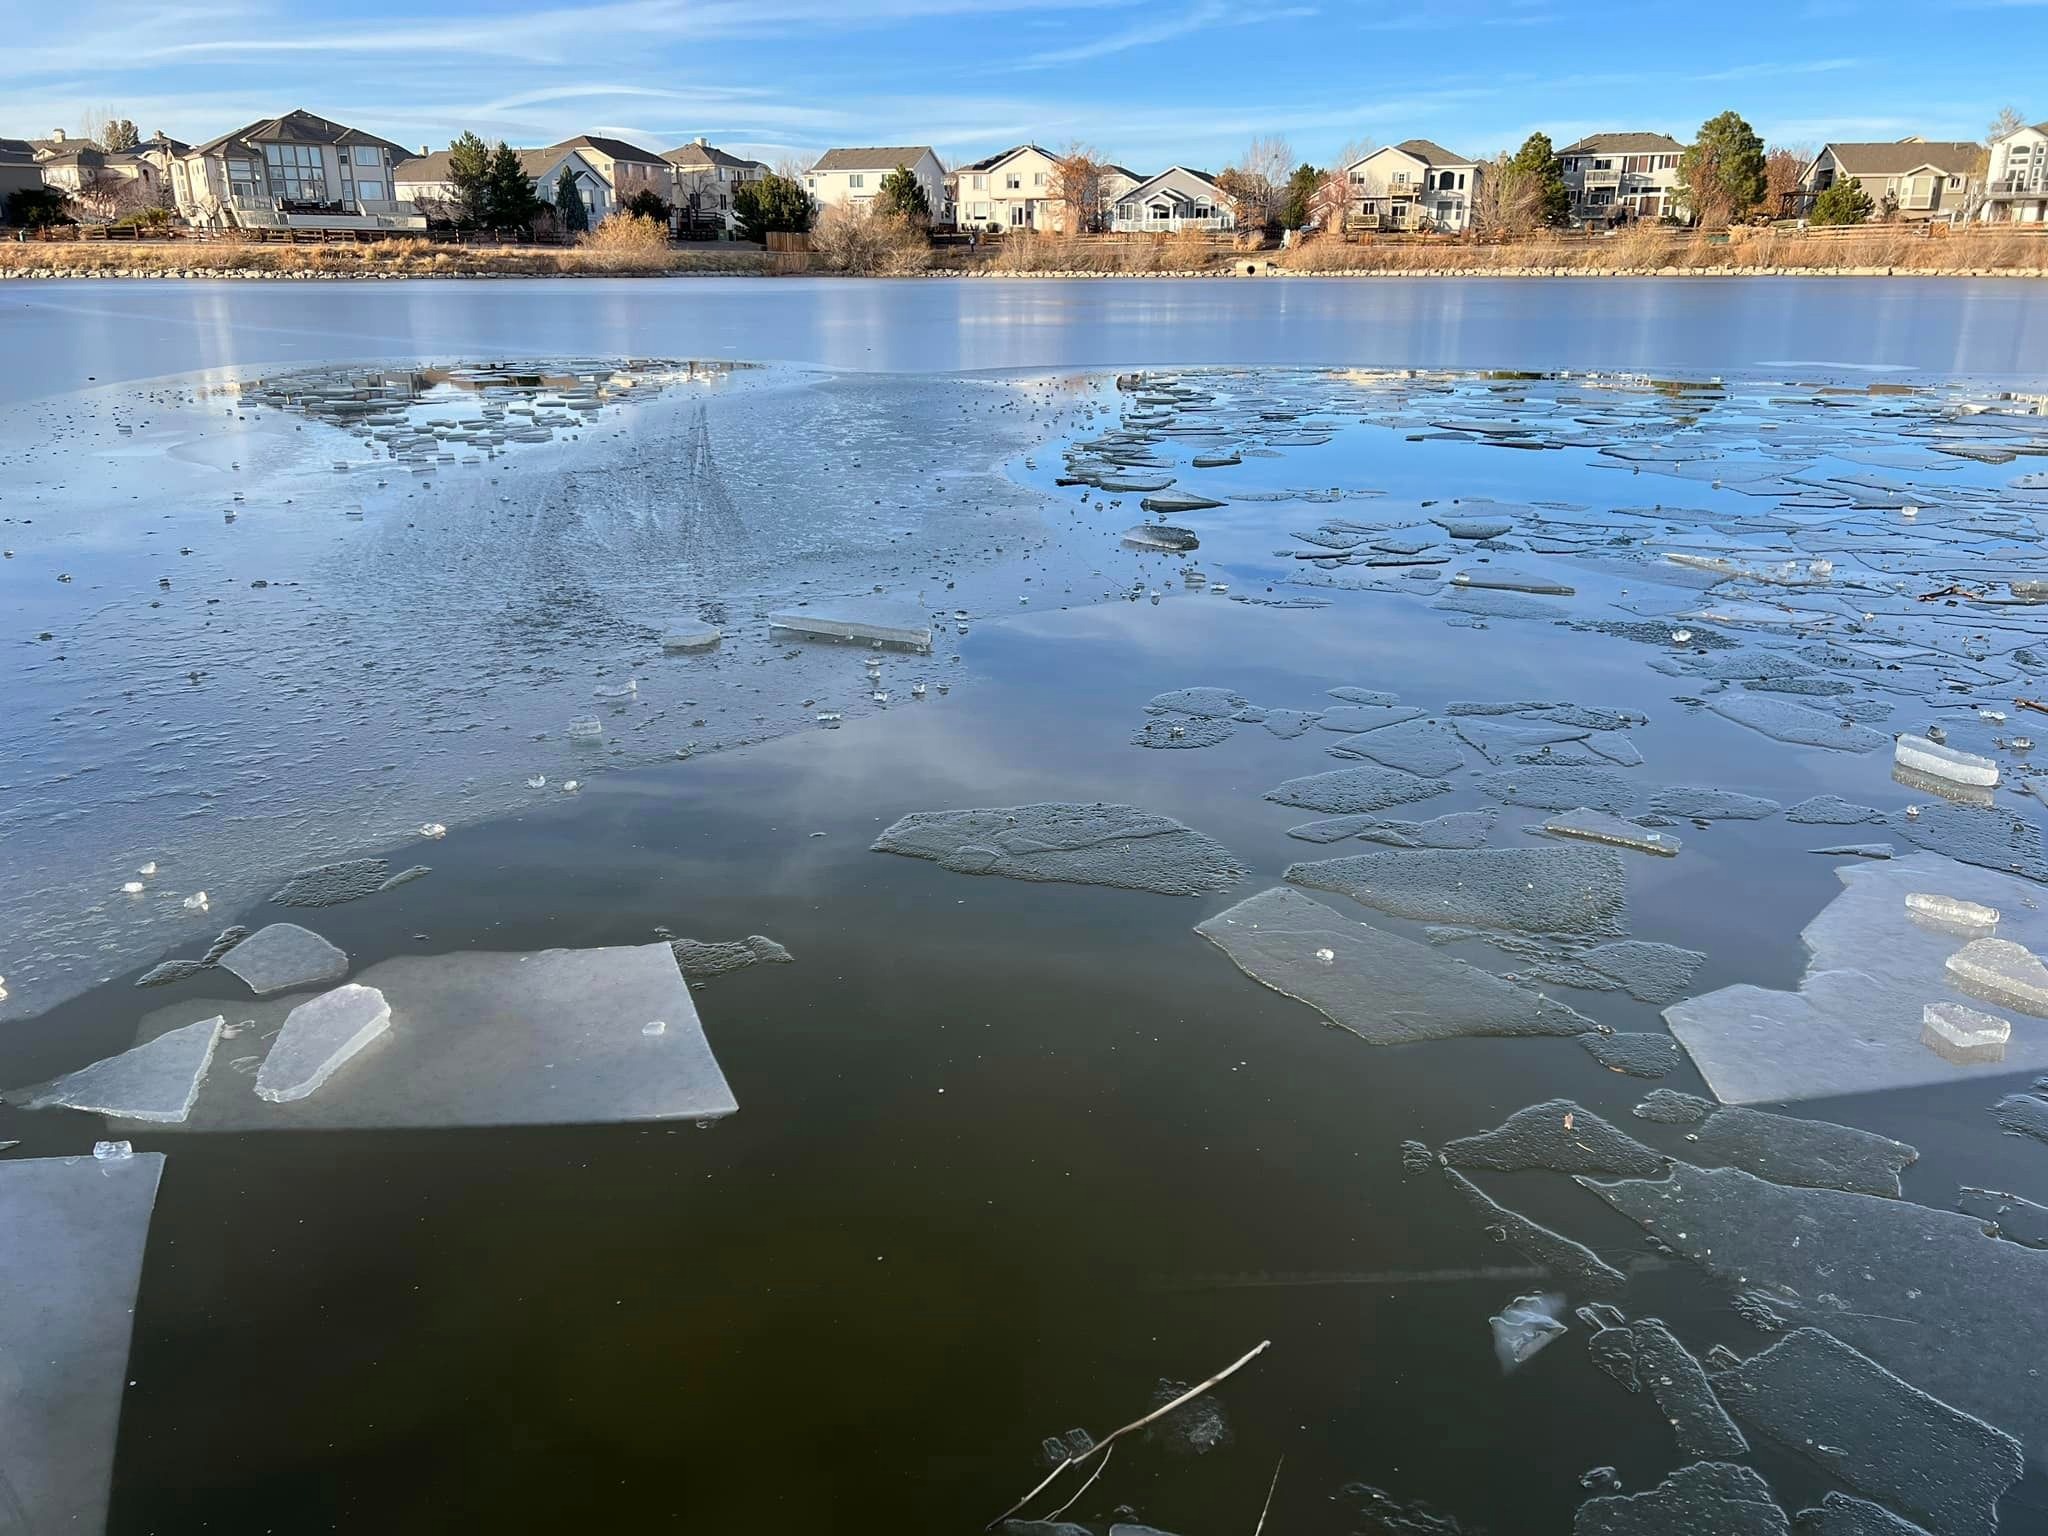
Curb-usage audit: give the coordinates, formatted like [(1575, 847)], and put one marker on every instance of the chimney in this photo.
[(701, 140), (424, 150), (56, 135)]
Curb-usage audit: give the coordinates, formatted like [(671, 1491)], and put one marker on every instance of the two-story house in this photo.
[(1413, 185), (2016, 189), (1618, 177), (627, 169), (844, 176), (1927, 179), (297, 171), (424, 181), (1017, 189), (703, 179), (1177, 198)]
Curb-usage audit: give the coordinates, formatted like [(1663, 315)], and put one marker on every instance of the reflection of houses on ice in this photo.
[(1413, 185), (1175, 199), (1616, 177), (2016, 190), (1926, 179), (297, 171)]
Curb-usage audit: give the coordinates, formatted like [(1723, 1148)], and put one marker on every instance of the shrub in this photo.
[(854, 238)]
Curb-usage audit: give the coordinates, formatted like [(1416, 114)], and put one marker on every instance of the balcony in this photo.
[(2030, 183), (1592, 179)]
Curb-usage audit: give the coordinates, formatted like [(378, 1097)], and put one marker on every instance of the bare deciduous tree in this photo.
[(1075, 187), (2006, 123), (102, 197), (1783, 167)]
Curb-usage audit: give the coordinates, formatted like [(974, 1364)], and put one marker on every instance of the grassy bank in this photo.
[(379, 259)]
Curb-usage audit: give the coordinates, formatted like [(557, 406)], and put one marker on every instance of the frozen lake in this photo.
[(1347, 757)]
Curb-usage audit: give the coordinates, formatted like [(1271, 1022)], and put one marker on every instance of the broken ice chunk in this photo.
[(1524, 1326), (112, 1151), (2001, 971), (1637, 1055), (1920, 755), (2011, 1217), (1816, 1154), (1559, 1135), (156, 1082), (881, 620), (284, 957), (318, 1037), (1532, 890), (1708, 1498), (691, 635), (1599, 827), (1951, 913), (586, 728), (1162, 536), (1962, 1034), (1113, 845), (1570, 1260)]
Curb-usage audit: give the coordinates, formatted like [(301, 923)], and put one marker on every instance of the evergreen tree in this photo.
[(1299, 199), (902, 197), (510, 201), (120, 133), (647, 204), (1722, 173), (771, 205), (1534, 184), (469, 177), (569, 204), (1843, 203)]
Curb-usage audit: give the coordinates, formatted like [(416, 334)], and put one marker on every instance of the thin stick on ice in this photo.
[(1267, 1509), (1100, 1467), (1108, 1440)]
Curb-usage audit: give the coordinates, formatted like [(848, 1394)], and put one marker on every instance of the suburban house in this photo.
[(1017, 189), (703, 179), (2016, 190), (854, 175), (627, 169), (1177, 198), (1617, 177), (297, 171), (1413, 185), (1118, 182), (1929, 179), (19, 170), (423, 180)]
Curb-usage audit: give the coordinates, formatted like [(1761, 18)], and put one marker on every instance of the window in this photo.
[(370, 191), (296, 170), (369, 154), (1461, 181), (981, 183), (1012, 182), (1038, 179), (856, 180)]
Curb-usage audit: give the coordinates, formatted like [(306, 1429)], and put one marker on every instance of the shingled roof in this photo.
[(1956, 157), (618, 149), (1624, 144), (1430, 153), (301, 127), (698, 155), (883, 158), (435, 167)]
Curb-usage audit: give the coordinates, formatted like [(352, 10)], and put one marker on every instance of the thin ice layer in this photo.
[(1815, 1154), (1386, 989), (1785, 721), (69, 1270), (1559, 1135), (547, 1037), (1421, 747), (1926, 1293), (1854, 1025), (1841, 1515), (155, 1083), (329, 885), (1115, 845), (1635, 1055), (319, 1037), (2009, 1216), (1833, 811), (883, 620), (1708, 1498), (1647, 971), (1524, 1326), (1570, 1261), (1647, 1353), (283, 957), (1353, 791), (1702, 803), (1880, 1435), (702, 959), (1458, 829), (1530, 890), (1562, 789), (1598, 827)]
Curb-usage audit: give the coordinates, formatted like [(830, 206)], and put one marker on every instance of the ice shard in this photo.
[(319, 1037), (1599, 827), (1577, 891), (1114, 845), (154, 1083), (879, 620), (284, 957)]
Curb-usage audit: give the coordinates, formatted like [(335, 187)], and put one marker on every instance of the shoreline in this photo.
[(487, 274)]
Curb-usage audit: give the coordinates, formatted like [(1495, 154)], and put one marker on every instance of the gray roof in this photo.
[(434, 167), (1143, 188), (1624, 144), (16, 150), (301, 127), (695, 155), (997, 159), (884, 158), (1898, 157), (1111, 165), (1431, 153), (618, 149)]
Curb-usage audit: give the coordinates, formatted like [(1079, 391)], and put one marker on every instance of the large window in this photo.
[(296, 171), (368, 154)]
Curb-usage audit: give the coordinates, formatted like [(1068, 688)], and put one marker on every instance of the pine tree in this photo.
[(119, 134), (469, 177), (902, 197), (1843, 203), (569, 204), (1299, 200), (1722, 172), (771, 205), (1535, 182), (509, 195)]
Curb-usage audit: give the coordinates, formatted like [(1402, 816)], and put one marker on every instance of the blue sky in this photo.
[(1147, 82)]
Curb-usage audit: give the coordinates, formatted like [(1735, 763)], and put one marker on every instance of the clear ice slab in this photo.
[(284, 957), (477, 1038), (154, 1083), (1708, 1498), (1530, 890), (1854, 1025), (319, 1037), (1599, 827), (888, 621), (1113, 845)]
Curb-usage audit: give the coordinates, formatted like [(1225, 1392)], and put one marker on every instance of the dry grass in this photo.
[(852, 238), (1647, 249), (623, 255)]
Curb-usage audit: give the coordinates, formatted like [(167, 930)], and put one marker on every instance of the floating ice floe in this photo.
[(691, 635), (886, 621), (69, 1269), (318, 1038), (1919, 755), (284, 957), (1786, 1149), (1951, 914), (1384, 988), (1354, 791), (1646, 1353), (1570, 1261), (1115, 845), (1549, 788), (477, 1038), (1599, 827), (2007, 1215), (328, 885), (1959, 1033), (1530, 890), (1162, 536), (1420, 747), (1855, 1023), (1558, 1135), (1524, 1326), (1796, 724), (153, 1083), (1634, 1055), (700, 960)]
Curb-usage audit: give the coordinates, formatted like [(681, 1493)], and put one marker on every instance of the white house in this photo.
[(855, 175), (1411, 185), (1930, 179), (1616, 177), (424, 180), (2016, 190), (703, 179), (1017, 189), (297, 171), (1177, 198)]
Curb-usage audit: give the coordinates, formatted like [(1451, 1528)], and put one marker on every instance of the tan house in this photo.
[(703, 179), (1415, 184), (1618, 177), (855, 175), (2016, 190), (297, 171), (423, 180), (627, 169), (1177, 198), (1925, 178)]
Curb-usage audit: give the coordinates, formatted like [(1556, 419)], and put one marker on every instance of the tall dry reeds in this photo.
[(381, 258)]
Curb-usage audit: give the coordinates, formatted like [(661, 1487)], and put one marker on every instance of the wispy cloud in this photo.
[(1202, 17), (1791, 67)]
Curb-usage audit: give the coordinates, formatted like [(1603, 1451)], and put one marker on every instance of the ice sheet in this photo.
[(1708, 1498), (284, 957), (320, 1037), (1599, 827), (1786, 1149), (1115, 845), (875, 620), (1531, 890), (154, 1083)]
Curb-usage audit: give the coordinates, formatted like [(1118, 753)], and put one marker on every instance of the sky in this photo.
[(1146, 83)]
